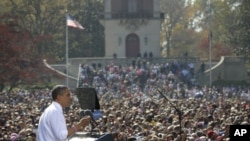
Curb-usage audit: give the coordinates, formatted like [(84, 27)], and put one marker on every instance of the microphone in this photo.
[(92, 121), (89, 113)]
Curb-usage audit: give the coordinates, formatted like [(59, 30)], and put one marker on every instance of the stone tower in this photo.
[(132, 28)]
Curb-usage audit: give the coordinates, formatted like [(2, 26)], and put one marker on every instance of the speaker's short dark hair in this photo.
[(58, 90)]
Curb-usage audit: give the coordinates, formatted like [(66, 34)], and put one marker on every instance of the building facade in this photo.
[(132, 28)]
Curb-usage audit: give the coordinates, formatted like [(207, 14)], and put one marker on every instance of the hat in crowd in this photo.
[(200, 124), (244, 123), (210, 133), (199, 134), (14, 136), (191, 138), (219, 138), (131, 139), (202, 138)]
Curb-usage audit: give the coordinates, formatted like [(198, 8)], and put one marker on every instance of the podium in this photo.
[(84, 136), (106, 137)]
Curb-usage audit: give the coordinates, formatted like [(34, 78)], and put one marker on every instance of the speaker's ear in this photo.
[(87, 98)]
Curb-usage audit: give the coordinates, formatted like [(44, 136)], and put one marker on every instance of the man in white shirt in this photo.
[(52, 123)]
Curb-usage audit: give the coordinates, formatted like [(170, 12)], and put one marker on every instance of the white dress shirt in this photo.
[(52, 124)]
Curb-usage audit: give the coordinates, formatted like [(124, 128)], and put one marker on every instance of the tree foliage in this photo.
[(216, 22), (174, 13), (197, 21), (187, 23), (90, 42), (20, 60), (217, 50), (42, 17), (46, 17), (242, 30)]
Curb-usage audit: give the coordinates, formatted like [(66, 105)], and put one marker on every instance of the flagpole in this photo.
[(67, 78), (210, 45)]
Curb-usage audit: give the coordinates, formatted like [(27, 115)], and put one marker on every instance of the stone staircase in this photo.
[(228, 68)]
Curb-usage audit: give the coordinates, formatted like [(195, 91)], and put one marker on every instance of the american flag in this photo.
[(73, 23)]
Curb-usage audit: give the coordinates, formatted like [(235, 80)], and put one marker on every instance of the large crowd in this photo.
[(133, 107)]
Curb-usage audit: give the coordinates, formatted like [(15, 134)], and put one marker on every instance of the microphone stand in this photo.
[(176, 109)]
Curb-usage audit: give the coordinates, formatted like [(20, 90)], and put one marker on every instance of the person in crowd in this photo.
[(131, 106)]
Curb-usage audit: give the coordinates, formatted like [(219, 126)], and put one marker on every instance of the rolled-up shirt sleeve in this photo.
[(58, 125)]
